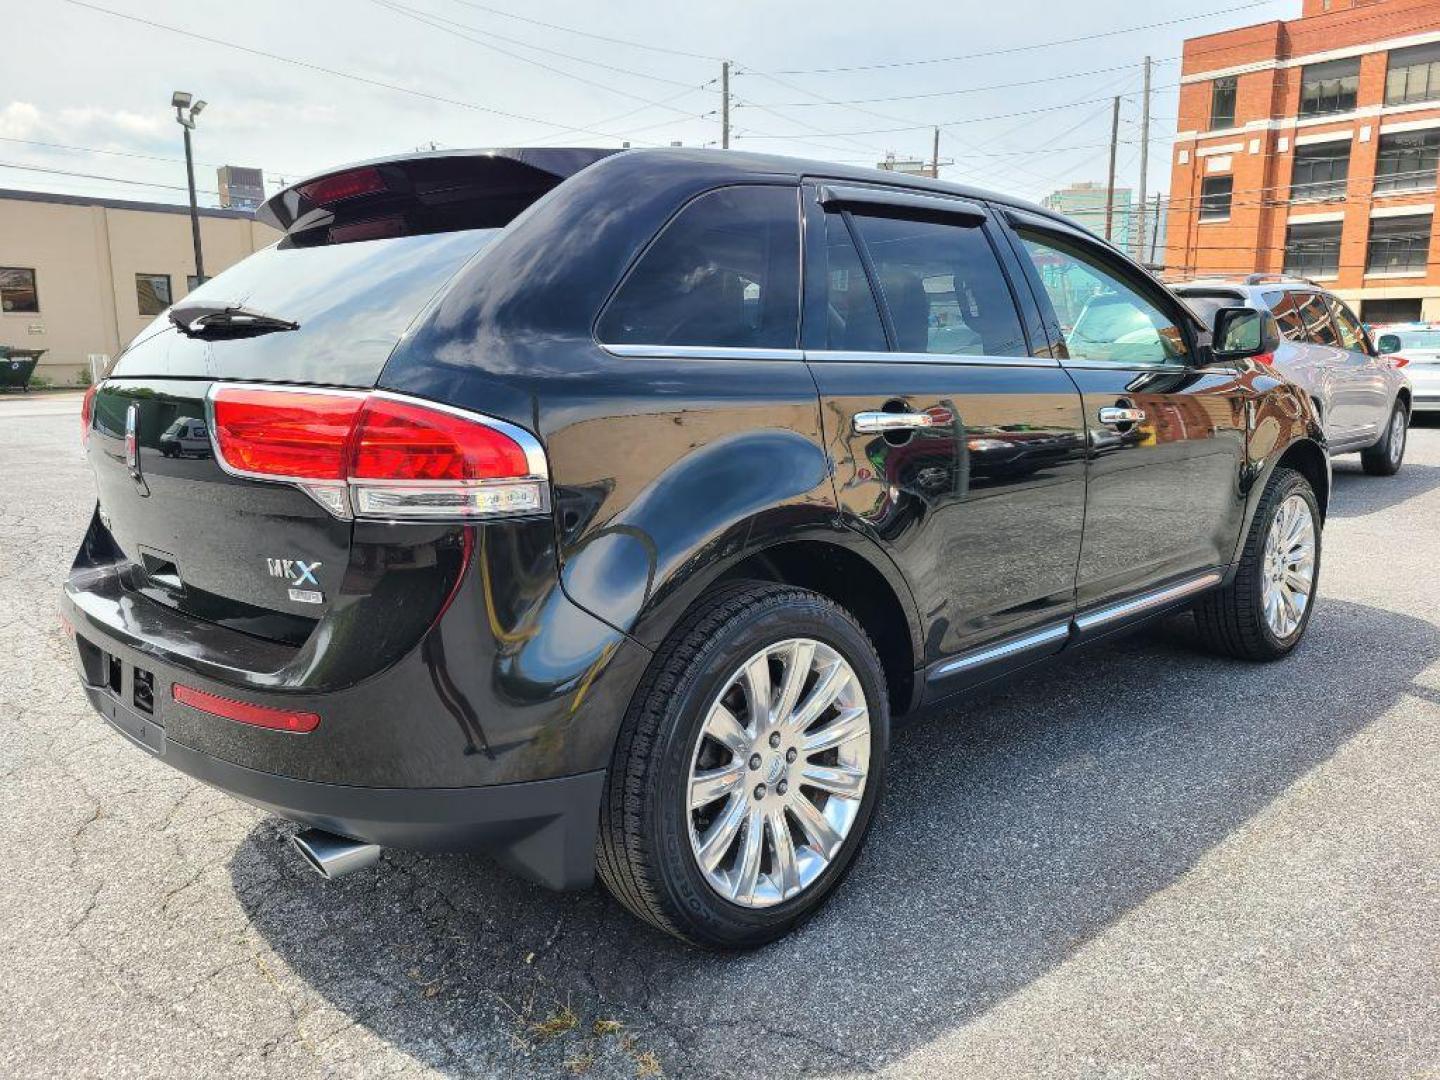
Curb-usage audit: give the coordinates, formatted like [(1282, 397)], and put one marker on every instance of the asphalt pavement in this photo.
[(1146, 862)]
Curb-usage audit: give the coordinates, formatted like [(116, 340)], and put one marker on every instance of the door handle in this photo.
[(874, 423), (1116, 415)]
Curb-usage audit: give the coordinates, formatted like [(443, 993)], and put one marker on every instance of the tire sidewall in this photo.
[(721, 921), (1289, 484)]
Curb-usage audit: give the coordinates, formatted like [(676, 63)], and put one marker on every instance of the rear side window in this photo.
[(1315, 316), (852, 319), (943, 287), (725, 272)]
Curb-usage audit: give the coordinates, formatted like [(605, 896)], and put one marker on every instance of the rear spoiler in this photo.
[(443, 191)]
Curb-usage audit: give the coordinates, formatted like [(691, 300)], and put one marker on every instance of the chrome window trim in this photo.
[(848, 357), (989, 653), (701, 352), (1139, 604)]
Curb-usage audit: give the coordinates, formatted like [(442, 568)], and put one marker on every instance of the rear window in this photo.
[(352, 301), (725, 272), (1410, 339)]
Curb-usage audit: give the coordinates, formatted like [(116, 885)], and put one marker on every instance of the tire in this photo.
[(1387, 455), (648, 847), (1232, 620)]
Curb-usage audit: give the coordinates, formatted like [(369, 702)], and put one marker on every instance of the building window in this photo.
[(1215, 192), (1330, 87), (1414, 75), (152, 293), (1313, 249), (17, 290), (1320, 171), (1407, 161), (1222, 103), (1399, 245)]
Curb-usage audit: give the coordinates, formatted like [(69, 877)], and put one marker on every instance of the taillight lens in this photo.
[(263, 716), (1399, 361), (87, 412), (378, 455), (285, 434)]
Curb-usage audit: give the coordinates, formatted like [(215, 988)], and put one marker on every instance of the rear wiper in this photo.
[(212, 321)]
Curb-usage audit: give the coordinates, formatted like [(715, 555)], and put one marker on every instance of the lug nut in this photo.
[(754, 761), (781, 788), (759, 791), (790, 755), (774, 738)]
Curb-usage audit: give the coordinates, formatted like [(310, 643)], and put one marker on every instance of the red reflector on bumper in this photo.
[(245, 713)]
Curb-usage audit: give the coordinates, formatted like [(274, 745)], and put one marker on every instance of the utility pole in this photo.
[(935, 156), (1110, 183), (725, 105), (185, 115), (1144, 158)]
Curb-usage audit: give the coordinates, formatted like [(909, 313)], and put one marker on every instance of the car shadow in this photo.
[(1017, 827), (1354, 493)]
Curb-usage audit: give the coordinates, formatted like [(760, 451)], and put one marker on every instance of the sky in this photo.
[(296, 87)]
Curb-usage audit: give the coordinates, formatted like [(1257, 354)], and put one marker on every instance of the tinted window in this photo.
[(17, 290), (1347, 326), (1406, 161), (1287, 314), (725, 272), (943, 287), (1315, 318), (1413, 75), (1330, 87), (1312, 249), (853, 319), (1102, 315), (1320, 171), (1399, 245), (152, 293), (1222, 103), (1215, 192)]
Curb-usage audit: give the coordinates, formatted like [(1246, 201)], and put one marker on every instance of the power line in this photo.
[(96, 176), (1024, 48), (422, 18), (588, 34), (349, 75)]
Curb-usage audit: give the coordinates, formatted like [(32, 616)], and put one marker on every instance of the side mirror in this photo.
[(1240, 333), (1389, 343)]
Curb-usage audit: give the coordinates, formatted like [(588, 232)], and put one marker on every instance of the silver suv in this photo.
[(1363, 397)]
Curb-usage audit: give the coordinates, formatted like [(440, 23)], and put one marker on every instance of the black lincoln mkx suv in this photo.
[(600, 511)]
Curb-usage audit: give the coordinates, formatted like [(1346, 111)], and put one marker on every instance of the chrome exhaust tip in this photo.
[(333, 856)]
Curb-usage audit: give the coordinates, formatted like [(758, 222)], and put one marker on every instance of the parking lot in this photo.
[(1145, 863)]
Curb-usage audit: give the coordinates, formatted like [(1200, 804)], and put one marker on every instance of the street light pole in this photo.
[(185, 115)]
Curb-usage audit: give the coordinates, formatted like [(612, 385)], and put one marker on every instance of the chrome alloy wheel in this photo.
[(778, 772), (1397, 436), (1289, 567)]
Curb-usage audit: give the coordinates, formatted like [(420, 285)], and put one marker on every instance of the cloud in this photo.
[(85, 125)]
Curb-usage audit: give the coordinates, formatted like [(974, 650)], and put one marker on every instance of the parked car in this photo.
[(555, 513), (1363, 397), (1416, 346), (187, 435)]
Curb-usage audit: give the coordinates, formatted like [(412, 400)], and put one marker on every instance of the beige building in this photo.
[(81, 276)]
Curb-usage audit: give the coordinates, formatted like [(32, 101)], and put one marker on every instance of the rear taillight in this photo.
[(87, 412), (1399, 361), (379, 455), (243, 712)]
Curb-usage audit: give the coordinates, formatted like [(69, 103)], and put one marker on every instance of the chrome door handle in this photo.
[(874, 423), (1113, 415)]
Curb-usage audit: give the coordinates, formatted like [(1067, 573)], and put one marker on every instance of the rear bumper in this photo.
[(543, 830)]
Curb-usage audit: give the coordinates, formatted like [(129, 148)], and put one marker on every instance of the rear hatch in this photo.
[(324, 307)]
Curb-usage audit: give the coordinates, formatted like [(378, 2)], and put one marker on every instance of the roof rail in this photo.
[(1266, 279)]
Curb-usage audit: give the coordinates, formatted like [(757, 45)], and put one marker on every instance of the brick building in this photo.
[(1310, 146)]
